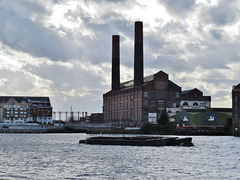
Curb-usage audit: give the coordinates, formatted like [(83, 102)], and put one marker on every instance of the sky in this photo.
[(62, 48)]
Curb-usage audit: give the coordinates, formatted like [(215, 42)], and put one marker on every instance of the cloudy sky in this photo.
[(62, 48)]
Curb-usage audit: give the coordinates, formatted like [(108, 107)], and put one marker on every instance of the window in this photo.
[(195, 104), (185, 104), (202, 104), (169, 104), (161, 103), (152, 103), (236, 99), (145, 94), (145, 115), (177, 104), (145, 103), (177, 95)]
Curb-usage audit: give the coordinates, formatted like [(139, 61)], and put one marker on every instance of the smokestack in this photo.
[(115, 63), (138, 54)]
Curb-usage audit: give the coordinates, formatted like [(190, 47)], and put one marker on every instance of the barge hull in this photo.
[(139, 141)]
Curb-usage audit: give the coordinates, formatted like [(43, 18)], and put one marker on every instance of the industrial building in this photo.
[(144, 99), (236, 110), (16, 109)]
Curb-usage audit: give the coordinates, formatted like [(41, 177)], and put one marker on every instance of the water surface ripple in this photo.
[(59, 156)]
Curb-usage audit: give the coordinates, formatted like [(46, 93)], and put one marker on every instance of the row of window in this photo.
[(145, 94), (194, 104), (16, 106), (16, 112), (16, 115), (45, 118), (17, 119), (16, 109)]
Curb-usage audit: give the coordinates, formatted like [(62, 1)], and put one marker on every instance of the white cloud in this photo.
[(62, 49)]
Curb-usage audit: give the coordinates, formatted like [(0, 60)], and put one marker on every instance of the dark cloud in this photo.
[(217, 34), (31, 37), (177, 7), (224, 13)]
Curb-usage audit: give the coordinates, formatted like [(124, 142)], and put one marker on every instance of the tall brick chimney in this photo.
[(138, 54), (115, 63)]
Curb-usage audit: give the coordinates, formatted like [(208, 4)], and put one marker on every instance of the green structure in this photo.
[(203, 121)]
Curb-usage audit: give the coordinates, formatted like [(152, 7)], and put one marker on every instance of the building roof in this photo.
[(188, 91), (146, 80), (194, 94), (131, 82), (236, 88), (27, 99)]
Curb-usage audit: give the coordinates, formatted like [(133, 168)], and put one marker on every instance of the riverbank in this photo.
[(96, 129)]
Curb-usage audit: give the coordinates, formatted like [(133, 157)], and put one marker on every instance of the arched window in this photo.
[(185, 104), (177, 104), (145, 94), (195, 104), (145, 103)]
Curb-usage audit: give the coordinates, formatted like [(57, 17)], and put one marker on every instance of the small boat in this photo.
[(139, 141)]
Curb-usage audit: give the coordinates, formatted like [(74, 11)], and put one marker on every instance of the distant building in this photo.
[(16, 109), (191, 99), (236, 110), (214, 120), (133, 106), (144, 99), (203, 117), (95, 118)]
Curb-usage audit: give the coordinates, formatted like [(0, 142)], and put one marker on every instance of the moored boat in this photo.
[(139, 141)]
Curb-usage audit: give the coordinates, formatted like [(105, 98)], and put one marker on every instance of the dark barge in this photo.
[(139, 141)]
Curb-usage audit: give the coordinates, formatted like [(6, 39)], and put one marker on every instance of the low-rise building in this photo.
[(194, 99), (16, 109), (190, 99), (203, 120)]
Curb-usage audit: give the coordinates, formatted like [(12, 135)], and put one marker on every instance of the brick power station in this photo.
[(143, 99)]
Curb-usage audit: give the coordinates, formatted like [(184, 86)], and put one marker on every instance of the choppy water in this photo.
[(59, 156)]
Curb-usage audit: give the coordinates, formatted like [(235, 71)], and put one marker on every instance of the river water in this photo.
[(60, 156)]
